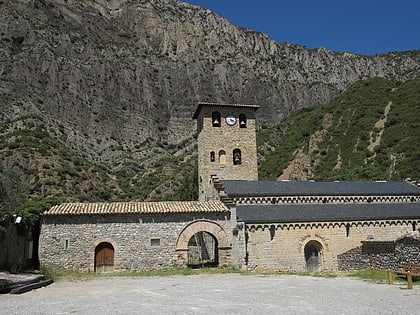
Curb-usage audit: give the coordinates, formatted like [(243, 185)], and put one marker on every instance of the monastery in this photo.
[(239, 221)]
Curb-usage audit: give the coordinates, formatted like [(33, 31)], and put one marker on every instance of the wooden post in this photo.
[(389, 276), (409, 280), (373, 273)]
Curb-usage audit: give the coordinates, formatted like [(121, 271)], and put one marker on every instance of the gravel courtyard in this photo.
[(216, 294)]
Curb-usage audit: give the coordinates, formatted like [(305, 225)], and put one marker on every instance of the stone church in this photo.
[(238, 221)]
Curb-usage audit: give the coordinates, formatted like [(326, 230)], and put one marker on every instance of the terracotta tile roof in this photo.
[(138, 208)]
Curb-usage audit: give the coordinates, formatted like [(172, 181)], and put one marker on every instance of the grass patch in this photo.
[(57, 276), (381, 276)]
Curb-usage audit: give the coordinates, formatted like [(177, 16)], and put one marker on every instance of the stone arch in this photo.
[(93, 248), (211, 227)]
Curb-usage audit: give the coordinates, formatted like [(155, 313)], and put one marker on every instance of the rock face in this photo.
[(113, 79)]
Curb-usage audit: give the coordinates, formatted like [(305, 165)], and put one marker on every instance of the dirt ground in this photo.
[(216, 294)]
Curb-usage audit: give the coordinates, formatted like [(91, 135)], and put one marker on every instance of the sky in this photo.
[(366, 27)]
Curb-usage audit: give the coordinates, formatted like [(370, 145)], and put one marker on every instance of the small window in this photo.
[(215, 119), (155, 242), (237, 158), (66, 244), (242, 121), (347, 230), (212, 156), (272, 232)]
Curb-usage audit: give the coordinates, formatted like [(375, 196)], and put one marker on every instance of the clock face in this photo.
[(231, 120)]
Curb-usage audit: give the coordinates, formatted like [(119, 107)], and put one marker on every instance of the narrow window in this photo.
[(272, 232), (237, 158), (414, 226), (242, 121), (347, 230), (212, 156), (215, 119), (66, 244)]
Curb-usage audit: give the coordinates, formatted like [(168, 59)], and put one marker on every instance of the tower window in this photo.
[(242, 121), (212, 156), (222, 157), (215, 119), (237, 158)]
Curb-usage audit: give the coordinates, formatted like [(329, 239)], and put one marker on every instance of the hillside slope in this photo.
[(96, 97), (370, 132), (113, 79)]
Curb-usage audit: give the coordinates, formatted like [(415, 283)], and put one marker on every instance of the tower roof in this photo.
[(202, 104)]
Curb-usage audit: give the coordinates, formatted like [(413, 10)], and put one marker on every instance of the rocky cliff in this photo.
[(117, 81)]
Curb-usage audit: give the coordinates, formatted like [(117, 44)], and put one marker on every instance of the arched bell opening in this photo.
[(237, 157), (242, 121), (216, 119)]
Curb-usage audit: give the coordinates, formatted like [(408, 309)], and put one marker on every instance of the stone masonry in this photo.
[(222, 141), (140, 242), (286, 250)]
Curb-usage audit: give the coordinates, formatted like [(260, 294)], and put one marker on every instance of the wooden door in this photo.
[(104, 257)]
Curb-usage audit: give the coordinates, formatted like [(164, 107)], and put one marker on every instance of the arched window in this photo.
[(212, 156), (242, 121), (215, 119), (237, 158), (348, 230), (272, 232), (222, 157)]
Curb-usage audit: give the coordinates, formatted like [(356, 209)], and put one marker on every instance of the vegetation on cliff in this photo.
[(369, 132)]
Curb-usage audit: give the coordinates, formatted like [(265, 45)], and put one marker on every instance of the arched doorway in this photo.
[(104, 257), (313, 256), (218, 244), (203, 250)]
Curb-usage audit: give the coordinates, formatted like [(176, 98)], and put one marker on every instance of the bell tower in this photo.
[(227, 147)]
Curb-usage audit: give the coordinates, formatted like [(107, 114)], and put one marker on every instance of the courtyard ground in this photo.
[(216, 294)]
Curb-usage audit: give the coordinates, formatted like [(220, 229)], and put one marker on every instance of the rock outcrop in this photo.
[(114, 79)]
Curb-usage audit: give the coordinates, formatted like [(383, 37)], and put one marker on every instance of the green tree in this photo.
[(14, 189)]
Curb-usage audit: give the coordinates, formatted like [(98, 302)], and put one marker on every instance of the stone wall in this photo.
[(140, 242), (407, 250), (282, 246), (14, 252), (225, 138)]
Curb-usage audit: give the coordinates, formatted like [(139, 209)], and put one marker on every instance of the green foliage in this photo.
[(189, 188), (31, 210), (335, 136), (14, 188)]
